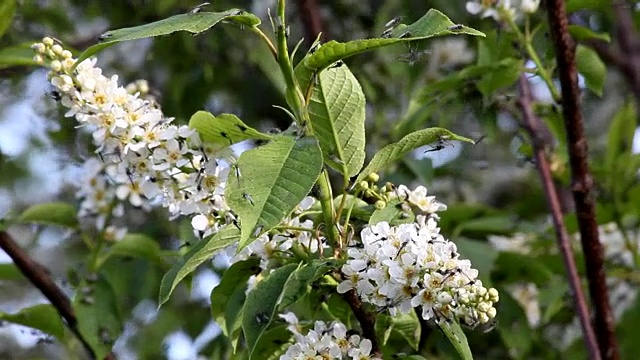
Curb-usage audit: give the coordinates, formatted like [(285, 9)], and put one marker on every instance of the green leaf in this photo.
[(298, 283), (433, 23), (228, 297), (53, 213), (7, 10), (193, 23), (261, 305), (224, 129), (456, 336), (17, 55), (412, 141), (500, 79), (272, 180), (137, 245), (592, 68), (337, 113), (199, 253), (99, 320), (393, 214), (582, 33), (620, 138), (405, 325), (43, 317), (9, 271)]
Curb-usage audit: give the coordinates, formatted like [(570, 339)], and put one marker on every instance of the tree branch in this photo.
[(40, 278), (535, 128), (581, 180), (311, 21), (366, 319)]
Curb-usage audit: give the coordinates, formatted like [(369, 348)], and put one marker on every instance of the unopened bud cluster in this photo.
[(398, 268), (325, 341), (144, 158)]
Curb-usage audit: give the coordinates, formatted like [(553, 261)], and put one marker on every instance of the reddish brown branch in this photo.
[(40, 278), (581, 180), (366, 319), (311, 21), (535, 128)]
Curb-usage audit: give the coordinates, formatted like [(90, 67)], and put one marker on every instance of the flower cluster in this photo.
[(413, 265), (145, 159), (499, 9), (278, 244), (325, 341)]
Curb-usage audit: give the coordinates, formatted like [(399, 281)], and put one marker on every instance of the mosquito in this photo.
[(197, 9)]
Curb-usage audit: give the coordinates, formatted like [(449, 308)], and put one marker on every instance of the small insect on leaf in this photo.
[(393, 22), (455, 27), (337, 64), (104, 37), (197, 8), (387, 33), (413, 56), (248, 198), (257, 230), (404, 35), (315, 47), (242, 127)]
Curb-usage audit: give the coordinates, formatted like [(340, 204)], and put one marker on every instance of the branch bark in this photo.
[(535, 129), (311, 21), (581, 180), (366, 319), (40, 278)]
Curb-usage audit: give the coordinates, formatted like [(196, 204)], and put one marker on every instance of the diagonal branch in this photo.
[(581, 180), (366, 319), (40, 278), (535, 128)]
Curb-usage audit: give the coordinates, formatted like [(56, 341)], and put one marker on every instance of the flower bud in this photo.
[(38, 59), (380, 204), (529, 6), (493, 295), (492, 312), (47, 41), (373, 177), (363, 185), (56, 65), (66, 54), (57, 49)]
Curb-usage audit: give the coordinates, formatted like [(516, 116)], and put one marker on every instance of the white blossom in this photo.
[(325, 341), (145, 158), (413, 265)]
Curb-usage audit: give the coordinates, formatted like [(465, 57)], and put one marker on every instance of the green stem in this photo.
[(527, 39), (293, 94), (328, 211), (266, 39), (296, 100)]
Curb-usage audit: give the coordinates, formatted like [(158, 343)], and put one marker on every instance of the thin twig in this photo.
[(535, 128), (40, 278), (310, 17), (366, 319), (581, 180)]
